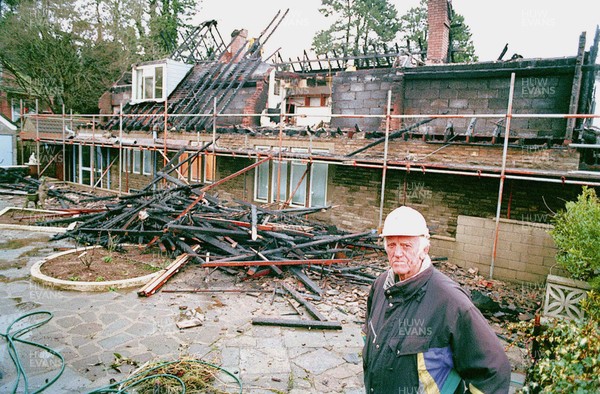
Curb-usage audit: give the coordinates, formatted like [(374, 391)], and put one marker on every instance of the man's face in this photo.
[(403, 255)]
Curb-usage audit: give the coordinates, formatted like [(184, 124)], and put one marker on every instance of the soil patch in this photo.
[(99, 264)]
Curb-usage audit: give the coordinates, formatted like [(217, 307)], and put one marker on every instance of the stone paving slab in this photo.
[(89, 328)]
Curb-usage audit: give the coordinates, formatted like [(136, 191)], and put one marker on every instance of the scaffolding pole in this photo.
[(64, 154), (37, 137), (385, 154), (121, 149), (503, 171)]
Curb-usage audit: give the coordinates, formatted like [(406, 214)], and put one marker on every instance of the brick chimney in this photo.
[(438, 38), (239, 39)]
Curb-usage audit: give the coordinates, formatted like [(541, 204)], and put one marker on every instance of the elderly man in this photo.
[(423, 334)]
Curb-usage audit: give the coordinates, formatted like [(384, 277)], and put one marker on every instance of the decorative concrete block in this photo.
[(563, 296)]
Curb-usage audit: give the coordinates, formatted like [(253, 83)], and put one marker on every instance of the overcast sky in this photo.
[(532, 28)]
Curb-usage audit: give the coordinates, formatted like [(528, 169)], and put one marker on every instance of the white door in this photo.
[(6, 150)]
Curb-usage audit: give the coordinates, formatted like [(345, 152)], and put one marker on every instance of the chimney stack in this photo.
[(438, 38), (239, 39)]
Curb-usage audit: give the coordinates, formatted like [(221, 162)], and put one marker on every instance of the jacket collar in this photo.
[(391, 279), (408, 288)]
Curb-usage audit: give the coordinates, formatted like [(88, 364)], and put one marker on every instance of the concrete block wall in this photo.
[(362, 92), (542, 95), (525, 250), (454, 90)]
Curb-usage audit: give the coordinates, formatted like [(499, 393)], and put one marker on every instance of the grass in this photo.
[(14, 244), (20, 243), (32, 252)]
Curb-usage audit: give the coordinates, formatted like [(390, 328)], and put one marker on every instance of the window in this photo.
[(302, 183), (148, 165), (137, 161), (150, 83), (91, 166), (261, 179), (280, 170), (126, 160), (142, 161)]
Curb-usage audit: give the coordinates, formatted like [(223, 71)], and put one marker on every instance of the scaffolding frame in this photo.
[(384, 163)]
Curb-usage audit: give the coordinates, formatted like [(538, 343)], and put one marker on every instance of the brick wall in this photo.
[(537, 157), (525, 250), (442, 199)]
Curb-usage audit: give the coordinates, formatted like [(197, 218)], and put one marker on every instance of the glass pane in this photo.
[(85, 156), (283, 189), (137, 160), (318, 187), (139, 94), (262, 182), (158, 82), (126, 160), (85, 177), (298, 170), (148, 162), (148, 88)]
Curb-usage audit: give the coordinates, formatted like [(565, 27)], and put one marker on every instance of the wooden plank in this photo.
[(309, 283), (310, 324), (274, 262), (309, 307), (151, 287)]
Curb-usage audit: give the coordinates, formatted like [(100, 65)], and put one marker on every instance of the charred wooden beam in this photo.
[(309, 324)]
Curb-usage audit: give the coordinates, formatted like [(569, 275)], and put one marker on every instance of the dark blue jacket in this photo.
[(419, 330)]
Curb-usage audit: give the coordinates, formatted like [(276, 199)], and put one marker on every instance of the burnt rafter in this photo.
[(367, 57), (215, 81), (200, 43)]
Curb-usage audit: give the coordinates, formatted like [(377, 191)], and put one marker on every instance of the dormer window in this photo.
[(156, 80), (150, 83)]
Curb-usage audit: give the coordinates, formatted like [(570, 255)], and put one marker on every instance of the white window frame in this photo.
[(206, 170), (144, 74), (267, 172), (147, 162), (136, 167), (313, 176), (300, 167), (260, 171)]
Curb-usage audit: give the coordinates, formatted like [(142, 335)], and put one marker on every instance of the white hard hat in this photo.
[(405, 221)]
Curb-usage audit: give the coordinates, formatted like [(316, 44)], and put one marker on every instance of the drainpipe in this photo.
[(503, 172)]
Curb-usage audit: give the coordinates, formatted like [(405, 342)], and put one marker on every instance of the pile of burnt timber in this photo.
[(186, 221), (18, 183)]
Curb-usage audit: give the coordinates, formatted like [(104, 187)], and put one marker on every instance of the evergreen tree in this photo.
[(71, 51), (357, 24)]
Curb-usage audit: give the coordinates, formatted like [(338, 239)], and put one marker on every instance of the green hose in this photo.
[(12, 338), (118, 387)]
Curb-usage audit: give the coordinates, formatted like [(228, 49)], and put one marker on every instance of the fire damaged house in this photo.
[(359, 135)]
